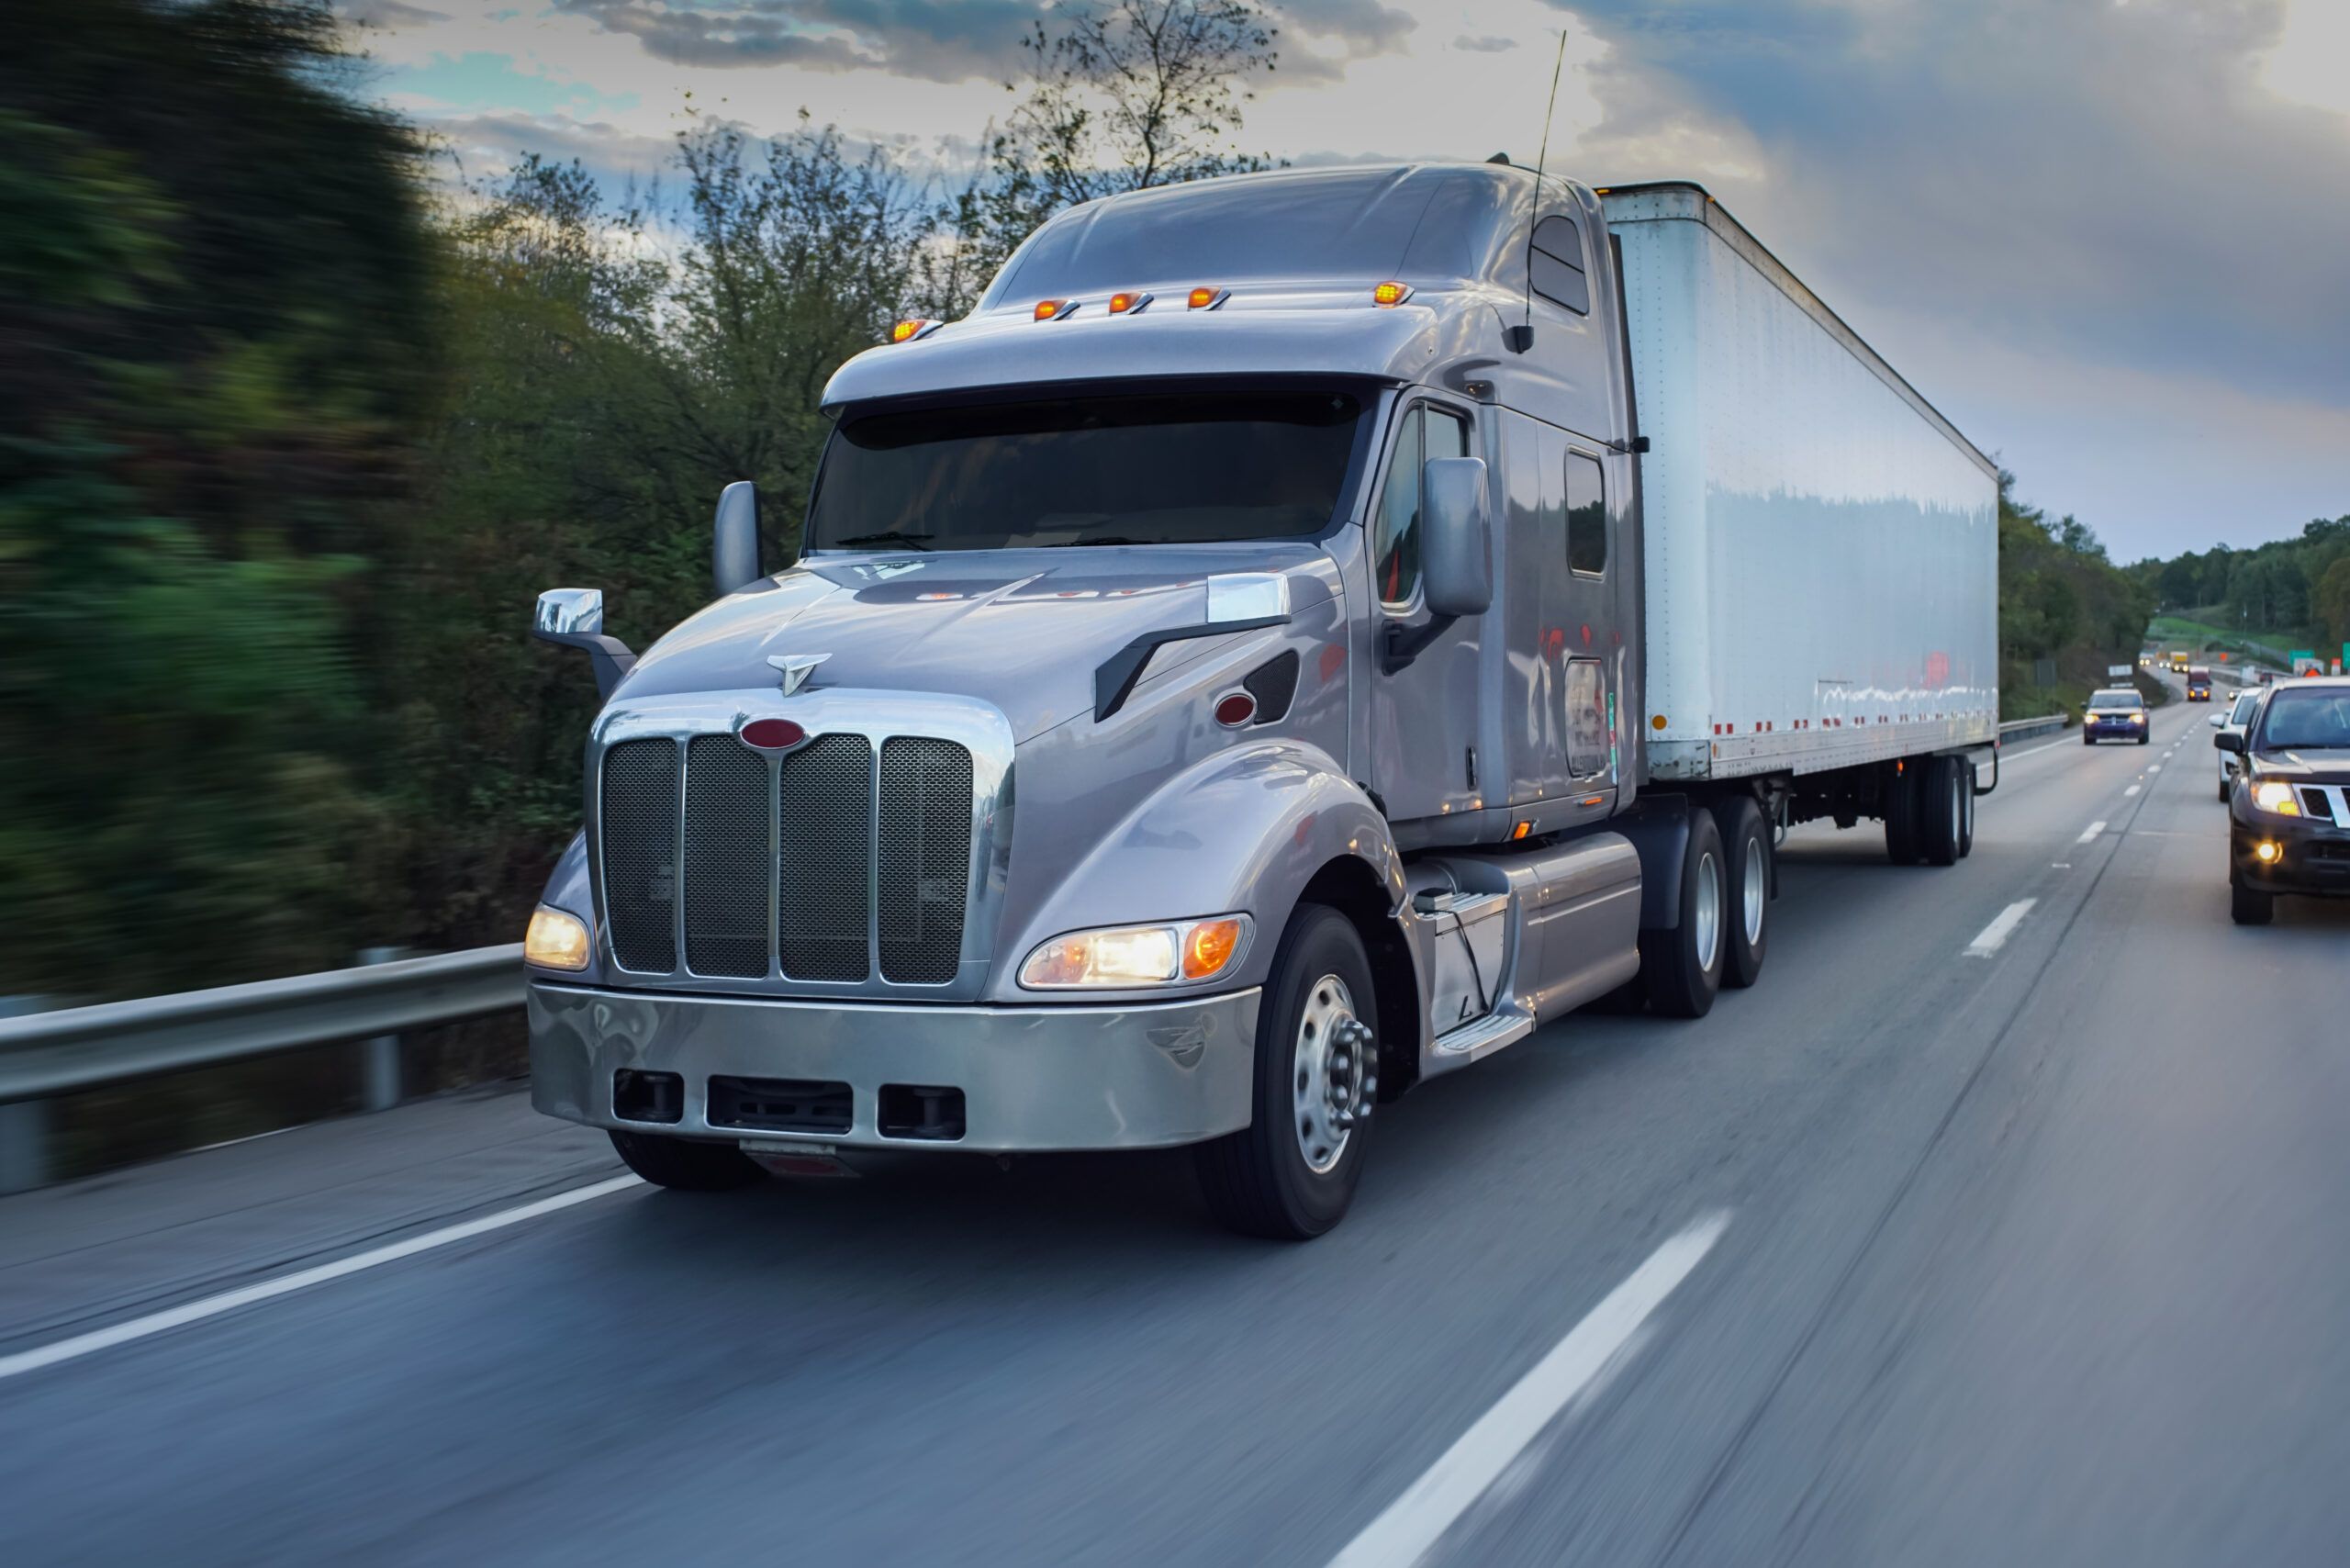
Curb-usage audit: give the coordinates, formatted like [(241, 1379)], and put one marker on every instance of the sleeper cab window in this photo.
[(1556, 261), (1587, 516), (1425, 432)]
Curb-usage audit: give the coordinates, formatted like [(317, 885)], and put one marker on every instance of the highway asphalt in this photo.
[(1973, 1234)]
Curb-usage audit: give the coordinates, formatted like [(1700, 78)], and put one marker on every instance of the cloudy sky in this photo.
[(2109, 238)]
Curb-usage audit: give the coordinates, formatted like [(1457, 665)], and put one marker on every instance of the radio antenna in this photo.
[(1523, 339)]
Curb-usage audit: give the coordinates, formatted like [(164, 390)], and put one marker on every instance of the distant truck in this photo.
[(1301, 632), (2199, 684)]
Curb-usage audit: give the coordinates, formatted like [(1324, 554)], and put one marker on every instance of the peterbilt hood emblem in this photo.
[(795, 668)]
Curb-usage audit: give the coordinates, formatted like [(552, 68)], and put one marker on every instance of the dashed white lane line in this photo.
[(2132, 791), (1415, 1522), (2155, 767), (301, 1279), (1994, 936), (2094, 829)]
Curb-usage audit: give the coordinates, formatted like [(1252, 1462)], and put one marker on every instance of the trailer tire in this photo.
[(1261, 1181), (1942, 823), (1746, 895), (686, 1165), (1967, 822), (1681, 965), (1901, 845)]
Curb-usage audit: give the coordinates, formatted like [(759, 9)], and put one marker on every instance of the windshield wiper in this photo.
[(1097, 539), (894, 536)]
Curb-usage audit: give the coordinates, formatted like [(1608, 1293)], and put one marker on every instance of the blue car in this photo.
[(2114, 713)]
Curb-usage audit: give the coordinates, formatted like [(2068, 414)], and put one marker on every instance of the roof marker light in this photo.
[(1391, 293), (1128, 304), (909, 331), (1207, 298), (1047, 310)]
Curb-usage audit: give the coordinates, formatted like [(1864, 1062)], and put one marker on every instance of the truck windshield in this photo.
[(1193, 468), (2307, 721)]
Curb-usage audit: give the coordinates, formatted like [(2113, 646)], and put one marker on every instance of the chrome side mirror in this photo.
[(734, 538), (1456, 555), (570, 611), (574, 618)]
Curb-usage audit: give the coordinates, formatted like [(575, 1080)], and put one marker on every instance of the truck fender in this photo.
[(1659, 829), (1244, 830)]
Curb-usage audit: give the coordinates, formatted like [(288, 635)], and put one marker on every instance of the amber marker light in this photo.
[(1127, 304), (907, 331), (1049, 309), (1209, 947), (1207, 298), (1391, 294)]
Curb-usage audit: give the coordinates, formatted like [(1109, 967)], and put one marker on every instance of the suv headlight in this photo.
[(555, 940), (1119, 958), (2275, 795)]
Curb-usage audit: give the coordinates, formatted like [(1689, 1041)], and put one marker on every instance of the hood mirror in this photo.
[(574, 618), (734, 538)]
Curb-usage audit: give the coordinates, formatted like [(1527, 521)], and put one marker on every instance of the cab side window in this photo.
[(1587, 516), (1556, 264), (1425, 432)]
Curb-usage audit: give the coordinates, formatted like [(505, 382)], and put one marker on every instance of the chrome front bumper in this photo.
[(1033, 1077)]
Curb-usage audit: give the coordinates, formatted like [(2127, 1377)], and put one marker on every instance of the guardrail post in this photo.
[(380, 1058), (23, 1146)]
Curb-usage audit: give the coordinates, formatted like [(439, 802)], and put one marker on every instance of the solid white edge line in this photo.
[(1994, 936), (1412, 1524), (285, 1284), (2094, 829)]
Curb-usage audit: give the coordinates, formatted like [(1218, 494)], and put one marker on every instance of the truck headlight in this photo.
[(2274, 795), (1122, 956), (555, 940)]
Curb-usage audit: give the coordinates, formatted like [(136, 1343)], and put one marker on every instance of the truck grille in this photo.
[(781, 859)]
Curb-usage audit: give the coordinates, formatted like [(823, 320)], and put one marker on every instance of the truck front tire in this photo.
[(686, 1165), (1681, 966), (1290, 1174)]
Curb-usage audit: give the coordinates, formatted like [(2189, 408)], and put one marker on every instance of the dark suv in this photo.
[(2288, 829), (2114, 713)]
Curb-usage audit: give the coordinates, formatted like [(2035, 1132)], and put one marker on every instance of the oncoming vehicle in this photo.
[(2114, 713), (1251, 665), (2289, 828), (2233, 720), (2179, 664), (2198, 685)]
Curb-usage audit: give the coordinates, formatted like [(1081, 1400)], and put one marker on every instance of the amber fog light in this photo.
[(555, 940)]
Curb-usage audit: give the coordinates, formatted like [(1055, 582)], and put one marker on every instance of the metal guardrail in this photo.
[(2025, 729), (46, 1054)]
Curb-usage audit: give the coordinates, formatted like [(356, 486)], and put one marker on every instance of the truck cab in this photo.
[(1208, 700)]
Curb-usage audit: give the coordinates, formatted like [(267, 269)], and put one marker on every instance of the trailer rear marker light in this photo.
[(1657, 722)]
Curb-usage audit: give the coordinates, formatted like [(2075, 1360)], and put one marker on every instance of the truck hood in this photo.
[(1022, 629), (2303, 767)]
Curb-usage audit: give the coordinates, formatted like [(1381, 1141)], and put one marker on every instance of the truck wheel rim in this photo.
[(1707, 922), (1957, 812), (1329, 1073), (1751, 895)]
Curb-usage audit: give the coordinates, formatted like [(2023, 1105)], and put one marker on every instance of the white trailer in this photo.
[(1821, 545)]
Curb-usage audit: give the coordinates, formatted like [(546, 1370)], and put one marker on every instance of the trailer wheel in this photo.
[(1681, 967), (1291, 1173), (1746, 861), (1901, 835), (1943, 823), (686, 1165)]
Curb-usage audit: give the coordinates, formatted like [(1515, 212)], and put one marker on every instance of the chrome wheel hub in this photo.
[(1335, 1075), (1751, 892), (1707, 917)]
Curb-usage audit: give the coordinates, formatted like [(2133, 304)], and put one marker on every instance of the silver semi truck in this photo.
[(1299, 634)]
